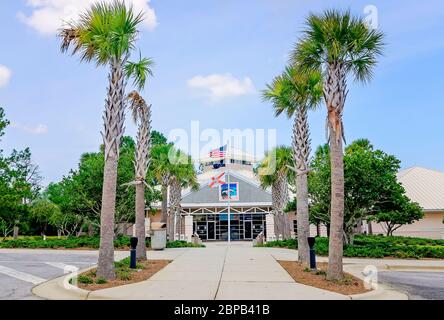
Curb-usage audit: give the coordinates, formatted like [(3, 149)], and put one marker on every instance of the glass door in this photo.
[(248, 230), (211, 230)]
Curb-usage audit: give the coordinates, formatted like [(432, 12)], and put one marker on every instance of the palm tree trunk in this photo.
[(335, 248), (301, 153), (303, 219), (140, 221), (114, 118), (281, 186), (105, 268), (335, 93), (164, 203), (275, 205)]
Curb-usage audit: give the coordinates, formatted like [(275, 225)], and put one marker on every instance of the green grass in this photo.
[(377, 247)]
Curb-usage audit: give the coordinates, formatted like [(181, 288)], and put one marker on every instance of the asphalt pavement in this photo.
[(417, 285), (21, 270)]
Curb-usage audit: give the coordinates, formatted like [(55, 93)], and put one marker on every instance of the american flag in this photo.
[(219, 152)]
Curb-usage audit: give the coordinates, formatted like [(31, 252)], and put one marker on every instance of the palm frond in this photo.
[(338, 37), (293, 89), (139, 71), (103, 32), (137, 105)]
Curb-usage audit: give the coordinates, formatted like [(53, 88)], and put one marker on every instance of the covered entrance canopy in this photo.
[(211, 223)]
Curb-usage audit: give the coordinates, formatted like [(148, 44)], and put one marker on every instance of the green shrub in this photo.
[(101, 281), (85, 279), (183, 244), (377, 247), (121, 242), (125, 264), (123, 274), (290, 244)]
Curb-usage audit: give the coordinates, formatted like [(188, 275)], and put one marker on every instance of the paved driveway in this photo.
[(417, 285)]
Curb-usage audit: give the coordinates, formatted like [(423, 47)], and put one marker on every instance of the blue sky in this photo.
[(232, 48)]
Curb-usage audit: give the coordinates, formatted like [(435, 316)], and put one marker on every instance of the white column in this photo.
[(188, 227), (269, 225)]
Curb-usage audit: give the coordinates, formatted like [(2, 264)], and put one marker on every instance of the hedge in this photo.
[(377, 247), (121, 242)]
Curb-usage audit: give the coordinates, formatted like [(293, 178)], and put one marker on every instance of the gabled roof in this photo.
[(424, 186)]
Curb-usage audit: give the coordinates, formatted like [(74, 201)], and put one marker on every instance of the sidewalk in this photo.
[(236, 271), (216, 272)]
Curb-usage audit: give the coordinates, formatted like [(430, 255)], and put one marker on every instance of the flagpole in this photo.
[(229, 193)]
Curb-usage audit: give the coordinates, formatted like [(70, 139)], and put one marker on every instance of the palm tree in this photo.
[(294, 93), (106, 34), (141, 113), (274, 171), (338, 44), (161, 168), (183, 176)]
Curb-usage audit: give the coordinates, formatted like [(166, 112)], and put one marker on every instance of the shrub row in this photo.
[(183, 244), (121, 242), (67, 243), (377, 247)]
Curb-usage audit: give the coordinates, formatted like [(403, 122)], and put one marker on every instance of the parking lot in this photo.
[(20, 270)]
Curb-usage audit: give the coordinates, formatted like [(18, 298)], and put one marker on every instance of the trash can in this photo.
[(159, 237)]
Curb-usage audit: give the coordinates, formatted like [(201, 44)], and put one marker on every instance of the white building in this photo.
[(426, 187)]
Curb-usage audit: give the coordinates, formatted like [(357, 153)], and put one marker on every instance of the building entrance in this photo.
[(243, 226)]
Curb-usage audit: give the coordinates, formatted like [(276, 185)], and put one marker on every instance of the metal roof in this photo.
[(424, 186)]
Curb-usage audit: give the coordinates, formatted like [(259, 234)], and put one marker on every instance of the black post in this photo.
[(133, 260), (311, 243)]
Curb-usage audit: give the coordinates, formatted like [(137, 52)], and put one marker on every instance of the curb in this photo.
[(60, 288), (413, 268), (371, 295)]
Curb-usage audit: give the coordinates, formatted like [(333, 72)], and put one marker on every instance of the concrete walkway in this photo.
[(235, 271), (219, 272)]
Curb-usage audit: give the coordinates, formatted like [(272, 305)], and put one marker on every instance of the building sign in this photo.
[(234, 191)]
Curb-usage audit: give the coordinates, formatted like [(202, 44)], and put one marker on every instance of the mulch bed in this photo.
[(317, 278), (150, 267)]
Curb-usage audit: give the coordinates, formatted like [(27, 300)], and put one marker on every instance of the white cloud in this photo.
[(5, 75), (38, 129), (220, 86), (48, 16)]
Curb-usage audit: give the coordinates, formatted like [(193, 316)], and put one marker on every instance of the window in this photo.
[(295, 226)]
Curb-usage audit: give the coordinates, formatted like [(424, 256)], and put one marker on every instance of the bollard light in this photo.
[(311, 243), (133, 261)]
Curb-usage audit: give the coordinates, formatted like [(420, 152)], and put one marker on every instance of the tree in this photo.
[(141, 113), (294, 93), (338, 44), (46, 213), (19, 183), (183, 175), (157, 138), (160, 169), (274, 171), (371, 186), (106, 34), (3, 122), (396, 211)]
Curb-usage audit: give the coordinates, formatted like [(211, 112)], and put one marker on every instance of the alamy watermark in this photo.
[(247, 144)]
